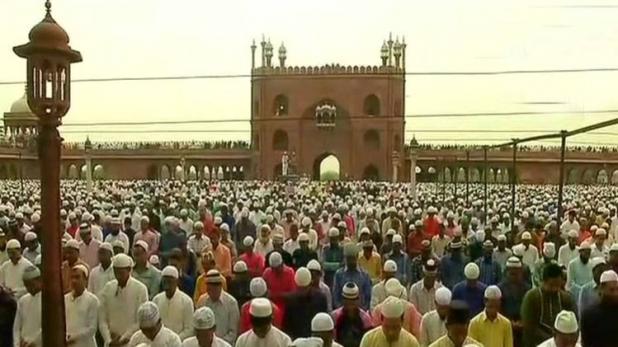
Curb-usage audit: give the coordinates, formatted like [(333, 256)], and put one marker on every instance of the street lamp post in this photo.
[(395, 166), (87, 149), (413, 157), (49, 58)]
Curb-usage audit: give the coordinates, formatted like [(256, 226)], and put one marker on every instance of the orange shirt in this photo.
[(66, 274), (223, 260)]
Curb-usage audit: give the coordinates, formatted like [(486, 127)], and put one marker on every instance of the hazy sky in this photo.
[(135, 38)]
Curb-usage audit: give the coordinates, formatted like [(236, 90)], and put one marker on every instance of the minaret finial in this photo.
[(48, 7)]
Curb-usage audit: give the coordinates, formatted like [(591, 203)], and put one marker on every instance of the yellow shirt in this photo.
[(444, 341), (497, 333), (373, 266), (376, 338), (201, 285)]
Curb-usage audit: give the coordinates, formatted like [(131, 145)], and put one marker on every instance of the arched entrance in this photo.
[(371, 173), (326, 167)]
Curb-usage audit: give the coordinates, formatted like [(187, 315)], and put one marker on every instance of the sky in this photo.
[(138, 38)]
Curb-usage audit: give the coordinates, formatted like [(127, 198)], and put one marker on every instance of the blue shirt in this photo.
[(404, 272), (588, 296), (473, 296), (452, 270), (491, 272), (357, 276)]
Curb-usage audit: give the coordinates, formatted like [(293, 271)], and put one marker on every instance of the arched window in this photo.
[(371, 139), (98, 173), (371, 105), (602, 177), (280, 107), (615, 178), (280, 141)]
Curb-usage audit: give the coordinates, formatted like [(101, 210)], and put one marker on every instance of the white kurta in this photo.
[(432, 328), (165, 338), (552, 343), (176, 313), (216, 342), (566, 254), (99, 278), (11, 276), (118, 312), (122, 237), (27, 326), (82, 318), (274, 338)]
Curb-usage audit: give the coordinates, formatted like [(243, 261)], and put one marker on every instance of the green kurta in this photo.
[(538, 312)]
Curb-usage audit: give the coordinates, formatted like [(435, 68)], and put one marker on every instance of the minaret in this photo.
[(403, 53), (269, 53), (263, 44), (282, 55), (390, 49), (397, 52), (253, 47), (384, 53)]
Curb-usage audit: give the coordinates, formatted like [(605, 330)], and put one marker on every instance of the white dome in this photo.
[(21, 105)]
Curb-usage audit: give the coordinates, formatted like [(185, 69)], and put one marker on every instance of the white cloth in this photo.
[(568, 226), (187, 225), (197, 245), (27, 325), (165, 338), (566, 254), (378, 294), (31, 255), (432, 328), (531, 255), (176, 313), (291, 245), (423, 299), (82, 315), (227, 315), (118, 313), (11, 276), (216, 342), (122, 237), (263, 248), (99, 278), (274, 338), (551, 343), (596, 252)]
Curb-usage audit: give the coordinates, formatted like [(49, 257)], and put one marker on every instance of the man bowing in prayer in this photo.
[(82, 310), (120, 300), (262, 333), (204, 325), (541, 305), (223, 305), (598, 321), (151, 330), (391, 332), (566, 331)]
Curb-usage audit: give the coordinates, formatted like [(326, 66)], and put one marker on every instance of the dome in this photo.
[(48, 32), (21, 105)]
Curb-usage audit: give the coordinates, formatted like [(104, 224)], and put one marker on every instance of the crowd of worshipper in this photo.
[(164, 145), (257, 263)]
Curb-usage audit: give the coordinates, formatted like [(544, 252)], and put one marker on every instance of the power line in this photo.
[(240, 131), (288, 118), (333, 75)]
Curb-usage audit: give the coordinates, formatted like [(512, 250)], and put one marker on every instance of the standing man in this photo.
[(151, 330), (88, 247), (204, 326), (457, 322), (471, 290), (175, 307), (433, 323), (452, 265), (570, 250), (598, 321), (391, 332), (513, 288), (223, 305), (401, 259), (566, 331), (490, 327), (502, 253), (317, 284), (370, 261), (351, 321), (332, 256), (302, 305), (422, 293), (278, 247), (102, 273), (33, 248), (351, 273), (263, 333), (280, 280), (82, 310), (27, 326), (147, 274), (120, 300), (255, 261), (12, 270), (301, 256), (378, 292), (579, 270), (490, 270), (541, 306)]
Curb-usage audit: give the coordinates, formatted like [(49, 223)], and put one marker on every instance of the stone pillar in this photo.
[(395, 165)]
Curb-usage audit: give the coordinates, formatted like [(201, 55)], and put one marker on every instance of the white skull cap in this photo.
[(302, 277), (31, 272), (493, 292), (260, 308), (443, 296), (148, 315), (275, 259), (609, 276), (393, 287), (314, 265), (170, 271), (13, 244), (472, 271), (390, 266), (240, 266), (258, 287), (203, 318), (392, 307), (247, 241), (122, 261), (322, 322), (566, 322)]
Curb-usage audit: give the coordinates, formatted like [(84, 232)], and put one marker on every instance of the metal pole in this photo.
[(467, 178), (53, 324), (443, 183), (485, 183), (21, 173), (561, 183), (513, 178)]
